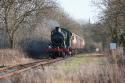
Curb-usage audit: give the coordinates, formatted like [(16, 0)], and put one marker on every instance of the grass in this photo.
[(78, 69), (89, 74), (10, 57), (77, 61)]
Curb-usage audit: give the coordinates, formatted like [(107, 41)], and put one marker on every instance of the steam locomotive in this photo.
[(64, 43)]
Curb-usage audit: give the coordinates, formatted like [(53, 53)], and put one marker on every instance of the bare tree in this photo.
[(113, 20), (15, 12)]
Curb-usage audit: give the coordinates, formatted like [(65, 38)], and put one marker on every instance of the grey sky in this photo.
[(80, 9)]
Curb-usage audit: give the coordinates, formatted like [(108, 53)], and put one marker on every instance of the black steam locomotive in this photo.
[(63, 43)]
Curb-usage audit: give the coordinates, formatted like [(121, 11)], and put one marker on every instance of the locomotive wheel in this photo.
[(52, 55), (63, 54)]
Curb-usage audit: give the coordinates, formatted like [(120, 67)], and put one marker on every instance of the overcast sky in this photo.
[(80, 9)]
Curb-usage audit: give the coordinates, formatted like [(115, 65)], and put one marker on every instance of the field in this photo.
[(83, 68)]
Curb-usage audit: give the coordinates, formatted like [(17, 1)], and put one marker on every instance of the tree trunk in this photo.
[(11, 41)]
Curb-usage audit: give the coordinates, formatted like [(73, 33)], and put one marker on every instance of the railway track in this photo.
[(17, 69)]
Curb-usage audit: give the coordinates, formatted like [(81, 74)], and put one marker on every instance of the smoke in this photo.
[(53, 24)]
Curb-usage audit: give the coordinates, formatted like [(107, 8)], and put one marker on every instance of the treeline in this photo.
[(111, 23), (93, 38)]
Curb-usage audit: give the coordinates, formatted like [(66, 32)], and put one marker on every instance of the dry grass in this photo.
[(100, 71), (12, 57), (89, 74)]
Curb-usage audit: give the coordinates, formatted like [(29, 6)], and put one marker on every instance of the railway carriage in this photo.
[(64, 43), (77, 44)]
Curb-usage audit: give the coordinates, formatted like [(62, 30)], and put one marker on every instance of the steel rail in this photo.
[(18, 65), (25, 67)]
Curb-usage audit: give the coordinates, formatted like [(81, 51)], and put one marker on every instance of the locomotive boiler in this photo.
[(64, 43)]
